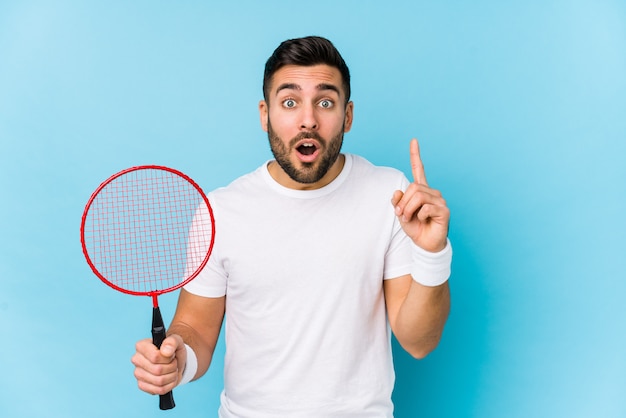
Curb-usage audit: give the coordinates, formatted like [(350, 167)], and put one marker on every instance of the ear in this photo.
[(264, 114), (347, 121)]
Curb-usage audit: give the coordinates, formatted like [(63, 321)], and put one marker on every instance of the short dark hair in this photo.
[(307, 51)]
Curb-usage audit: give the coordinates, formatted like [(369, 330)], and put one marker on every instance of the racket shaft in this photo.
[(158, 335)]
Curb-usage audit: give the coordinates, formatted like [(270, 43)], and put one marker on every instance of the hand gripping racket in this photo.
[(146, 231)]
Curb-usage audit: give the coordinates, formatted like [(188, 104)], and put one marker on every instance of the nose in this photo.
[(308, 119)]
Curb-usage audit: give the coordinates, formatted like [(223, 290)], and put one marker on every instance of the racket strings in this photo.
[(148, 230)]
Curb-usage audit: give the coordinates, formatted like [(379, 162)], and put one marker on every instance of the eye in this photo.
[(289, 103), (326, 104)]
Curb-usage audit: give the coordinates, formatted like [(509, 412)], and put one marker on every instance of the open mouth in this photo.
[(307, 150)]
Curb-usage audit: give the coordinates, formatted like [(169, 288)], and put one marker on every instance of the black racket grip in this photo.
[(158, 335)]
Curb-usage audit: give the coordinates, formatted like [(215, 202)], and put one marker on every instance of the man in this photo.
[(312, 264)]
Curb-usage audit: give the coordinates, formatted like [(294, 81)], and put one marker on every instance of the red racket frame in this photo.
[(154, 294)]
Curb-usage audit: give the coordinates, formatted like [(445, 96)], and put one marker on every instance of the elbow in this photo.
[(420, 350), (419, 354)]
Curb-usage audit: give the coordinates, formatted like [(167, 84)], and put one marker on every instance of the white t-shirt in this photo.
[(302, 271)]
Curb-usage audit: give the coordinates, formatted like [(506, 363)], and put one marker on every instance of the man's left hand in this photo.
[(422, 211)]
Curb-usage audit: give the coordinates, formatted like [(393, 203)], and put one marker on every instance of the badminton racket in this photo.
[(146, 231)]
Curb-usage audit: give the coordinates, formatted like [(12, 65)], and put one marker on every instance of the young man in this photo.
[(312, 263)]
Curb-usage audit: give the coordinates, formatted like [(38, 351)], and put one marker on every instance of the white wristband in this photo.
[(191, 367), (431, 269)]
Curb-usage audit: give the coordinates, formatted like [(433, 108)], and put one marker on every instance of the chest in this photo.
[(302, 246)]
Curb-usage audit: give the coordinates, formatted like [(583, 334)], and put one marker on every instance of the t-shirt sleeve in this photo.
[(212, 279), (398, 259)]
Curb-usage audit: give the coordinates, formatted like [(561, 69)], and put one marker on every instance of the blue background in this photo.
[(521, 112)]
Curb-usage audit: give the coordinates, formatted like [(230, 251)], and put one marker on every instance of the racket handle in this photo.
[(158, 335)]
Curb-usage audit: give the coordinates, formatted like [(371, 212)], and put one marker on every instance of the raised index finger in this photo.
[(419, 176)]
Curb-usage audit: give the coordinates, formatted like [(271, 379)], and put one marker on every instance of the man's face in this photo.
[(305, 117)]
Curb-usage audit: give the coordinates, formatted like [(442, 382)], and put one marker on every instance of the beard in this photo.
[(308, 173)]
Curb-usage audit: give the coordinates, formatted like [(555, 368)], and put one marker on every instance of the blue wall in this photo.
[(521, 112)]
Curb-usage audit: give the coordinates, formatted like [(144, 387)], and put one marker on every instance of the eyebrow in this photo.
[(319, 87)]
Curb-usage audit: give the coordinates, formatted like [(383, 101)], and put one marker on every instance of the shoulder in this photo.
[(242, 185), (364, 170)]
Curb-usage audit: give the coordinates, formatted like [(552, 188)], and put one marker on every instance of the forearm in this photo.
[(421, 318), (198, 320)]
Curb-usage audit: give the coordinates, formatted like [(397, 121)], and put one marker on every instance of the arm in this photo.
[(418, 312), (197, 323)]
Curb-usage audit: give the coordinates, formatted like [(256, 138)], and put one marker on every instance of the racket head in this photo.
[(147, 230)]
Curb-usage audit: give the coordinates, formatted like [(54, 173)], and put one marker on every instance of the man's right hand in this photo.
[(158, 371)]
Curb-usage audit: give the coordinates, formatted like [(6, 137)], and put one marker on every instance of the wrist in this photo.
[(191, 366), (431, 268)]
